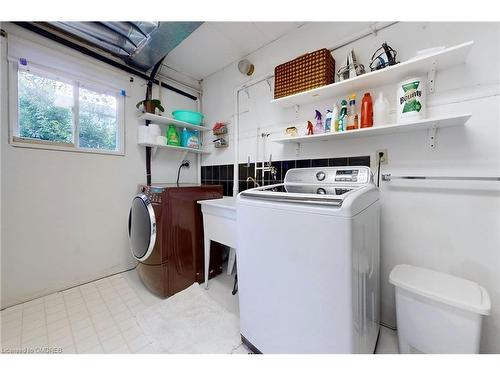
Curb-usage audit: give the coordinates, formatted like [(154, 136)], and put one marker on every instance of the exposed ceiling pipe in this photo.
[(149, 96), (371, 30), (88, 52)]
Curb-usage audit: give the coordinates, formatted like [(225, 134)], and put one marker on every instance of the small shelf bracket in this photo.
[(297, 149), (431, 77), (153, 152), (431, 136)]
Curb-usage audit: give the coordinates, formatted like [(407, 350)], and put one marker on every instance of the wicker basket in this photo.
[(304, 73)]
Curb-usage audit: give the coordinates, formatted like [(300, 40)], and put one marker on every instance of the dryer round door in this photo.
[(141, 227)]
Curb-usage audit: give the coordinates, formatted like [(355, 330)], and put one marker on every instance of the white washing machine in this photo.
[(308, 262)]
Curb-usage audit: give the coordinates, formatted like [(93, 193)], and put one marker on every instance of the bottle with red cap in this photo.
[(367, 111)]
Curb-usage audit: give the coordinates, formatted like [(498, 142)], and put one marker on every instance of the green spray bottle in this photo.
[(342, 116)]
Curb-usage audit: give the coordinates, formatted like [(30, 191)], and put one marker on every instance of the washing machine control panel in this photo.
[(352, 175), (154, 194), (329, 175)]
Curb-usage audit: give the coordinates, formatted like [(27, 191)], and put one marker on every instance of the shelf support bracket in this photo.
[(431, 77), (297, 149), (153, 152), (431, 136)]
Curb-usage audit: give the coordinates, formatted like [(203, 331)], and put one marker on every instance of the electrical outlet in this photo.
[(384, 159), (186, 163)]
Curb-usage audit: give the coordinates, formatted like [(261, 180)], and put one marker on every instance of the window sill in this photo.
[(56, 146)]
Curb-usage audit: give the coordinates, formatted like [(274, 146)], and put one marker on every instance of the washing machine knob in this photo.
[(320, 176)]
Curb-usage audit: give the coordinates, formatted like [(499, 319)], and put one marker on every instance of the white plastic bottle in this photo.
[(381, 111), (335, 119)]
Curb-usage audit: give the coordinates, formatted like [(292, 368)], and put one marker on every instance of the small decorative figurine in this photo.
[(291, 131), (310, 128)]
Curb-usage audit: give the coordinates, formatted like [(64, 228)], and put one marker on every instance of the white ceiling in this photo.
[(215, 45)]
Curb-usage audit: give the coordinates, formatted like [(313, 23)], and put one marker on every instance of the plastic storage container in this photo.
[(192, 117), (436, 312)]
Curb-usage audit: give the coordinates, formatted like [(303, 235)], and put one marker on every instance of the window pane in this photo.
[(45, 108), (97, 120)]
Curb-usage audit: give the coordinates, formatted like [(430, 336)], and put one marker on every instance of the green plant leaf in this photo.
[(139, 104), (160, 107)]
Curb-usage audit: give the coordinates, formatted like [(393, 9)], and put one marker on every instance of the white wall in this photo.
[(451, 227), (64, 214)]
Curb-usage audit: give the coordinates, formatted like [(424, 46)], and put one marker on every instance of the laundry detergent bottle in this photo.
[(366, 111), (173, 136)]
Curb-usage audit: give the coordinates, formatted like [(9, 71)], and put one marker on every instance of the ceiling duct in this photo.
[(139, 44)]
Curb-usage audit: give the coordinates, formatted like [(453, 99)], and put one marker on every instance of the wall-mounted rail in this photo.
[(389, 177)]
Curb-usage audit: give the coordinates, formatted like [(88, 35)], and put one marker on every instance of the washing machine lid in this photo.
[(321, 194), (328, 186), (141, 227)]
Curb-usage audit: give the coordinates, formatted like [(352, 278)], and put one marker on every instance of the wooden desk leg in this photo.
[(231, 260), (207, 260)]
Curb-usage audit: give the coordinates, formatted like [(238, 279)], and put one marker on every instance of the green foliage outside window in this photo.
[(45, 109), (97, 120), (46, 113)]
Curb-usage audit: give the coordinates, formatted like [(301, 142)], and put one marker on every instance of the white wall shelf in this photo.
[(420, 65), (430, 123), (163, 120), (176, 148)]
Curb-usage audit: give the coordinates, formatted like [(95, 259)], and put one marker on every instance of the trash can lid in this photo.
[(448, 289)]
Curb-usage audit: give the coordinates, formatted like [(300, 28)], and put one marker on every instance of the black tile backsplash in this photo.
[(359, 160), (224, 174), (285, 166), (319, 163), (208, 173), (216, 173), (340, 162), (303, 163)]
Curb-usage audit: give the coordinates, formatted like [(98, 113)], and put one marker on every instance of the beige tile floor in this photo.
[(99, 317)]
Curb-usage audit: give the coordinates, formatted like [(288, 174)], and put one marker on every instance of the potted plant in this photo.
[(150, 105)]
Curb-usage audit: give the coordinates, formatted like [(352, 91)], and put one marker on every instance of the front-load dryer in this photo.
[(165, 229)]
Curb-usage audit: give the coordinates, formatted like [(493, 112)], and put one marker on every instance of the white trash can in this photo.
[(436, 312)]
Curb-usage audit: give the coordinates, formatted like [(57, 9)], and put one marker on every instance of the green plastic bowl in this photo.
[(192, 117)]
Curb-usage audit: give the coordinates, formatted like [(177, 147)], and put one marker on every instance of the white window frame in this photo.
[(17, 141)]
